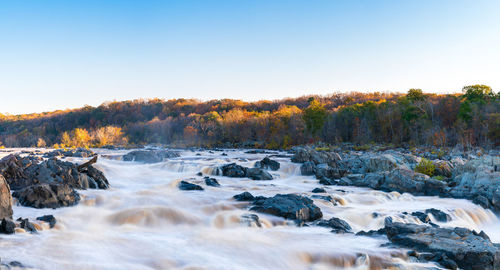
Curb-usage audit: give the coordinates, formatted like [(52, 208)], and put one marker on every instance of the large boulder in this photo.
[(268, 164), (304, 154), (289, 206), (468, 249), (237, 171), (150, 156), (5, 199), (47, 196)]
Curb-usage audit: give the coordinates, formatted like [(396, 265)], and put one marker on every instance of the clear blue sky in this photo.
[(65, 54)]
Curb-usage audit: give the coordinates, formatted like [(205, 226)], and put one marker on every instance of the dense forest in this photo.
[(471, 118)]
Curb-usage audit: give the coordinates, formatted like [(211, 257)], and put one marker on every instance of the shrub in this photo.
[(426, 167)]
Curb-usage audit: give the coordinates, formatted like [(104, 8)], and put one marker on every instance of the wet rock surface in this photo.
[(184, 185), (463, 247), (268, 164), (50, 219), (211, 182), (336, 224), (79, 152), (289, 206), (237, 171), (47, 196), (150, 156)]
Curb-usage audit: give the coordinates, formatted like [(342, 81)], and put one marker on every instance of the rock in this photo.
[(7, 226), (251, 220), (150, 156), (5, 199), (466, 248), (323, 170), (304, 154), (307, 168), (258, 174), (336, 224), (211, 182), (443, 168), (47, 196), (234, 170), (243, 197), (184, 185), (96, 177), (422, 217), (27, 225), (268, 164), (324, 198), (49, 219), (289, 206), (79, 152), (482, 201), (318, 190), (438, 215)]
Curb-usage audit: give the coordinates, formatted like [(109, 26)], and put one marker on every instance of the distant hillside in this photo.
[(415, 118)]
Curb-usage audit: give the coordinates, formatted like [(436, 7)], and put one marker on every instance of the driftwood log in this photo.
[(86, 164)]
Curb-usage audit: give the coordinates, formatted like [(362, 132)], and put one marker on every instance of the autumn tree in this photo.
[(314, 116)]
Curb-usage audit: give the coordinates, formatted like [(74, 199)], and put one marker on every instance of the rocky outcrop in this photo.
[(238, 171), (47, 196), (21, 172), (150, 156), (184, 185), (5, 199), (79, 152), (466, 248), (400, 180), (268, 164), (289, 206)]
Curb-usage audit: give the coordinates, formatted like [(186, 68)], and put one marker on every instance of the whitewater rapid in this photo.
[(145, 222)]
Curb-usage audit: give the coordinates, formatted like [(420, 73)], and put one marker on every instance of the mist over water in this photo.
[(145, 222)]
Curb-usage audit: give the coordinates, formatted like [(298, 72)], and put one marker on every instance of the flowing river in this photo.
[(145, 222)]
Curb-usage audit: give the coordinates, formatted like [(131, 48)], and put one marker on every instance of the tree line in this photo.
[(471, 118)]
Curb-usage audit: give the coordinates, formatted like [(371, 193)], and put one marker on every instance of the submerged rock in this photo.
[(289, 206), (251, 220), (268, 164), (336, 224), (184, 185), (150, 156), (49, 219), (438, 215), (244, 197), (468, 249), (211, 182), (318, 190), (27, 225), (47, 196)]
